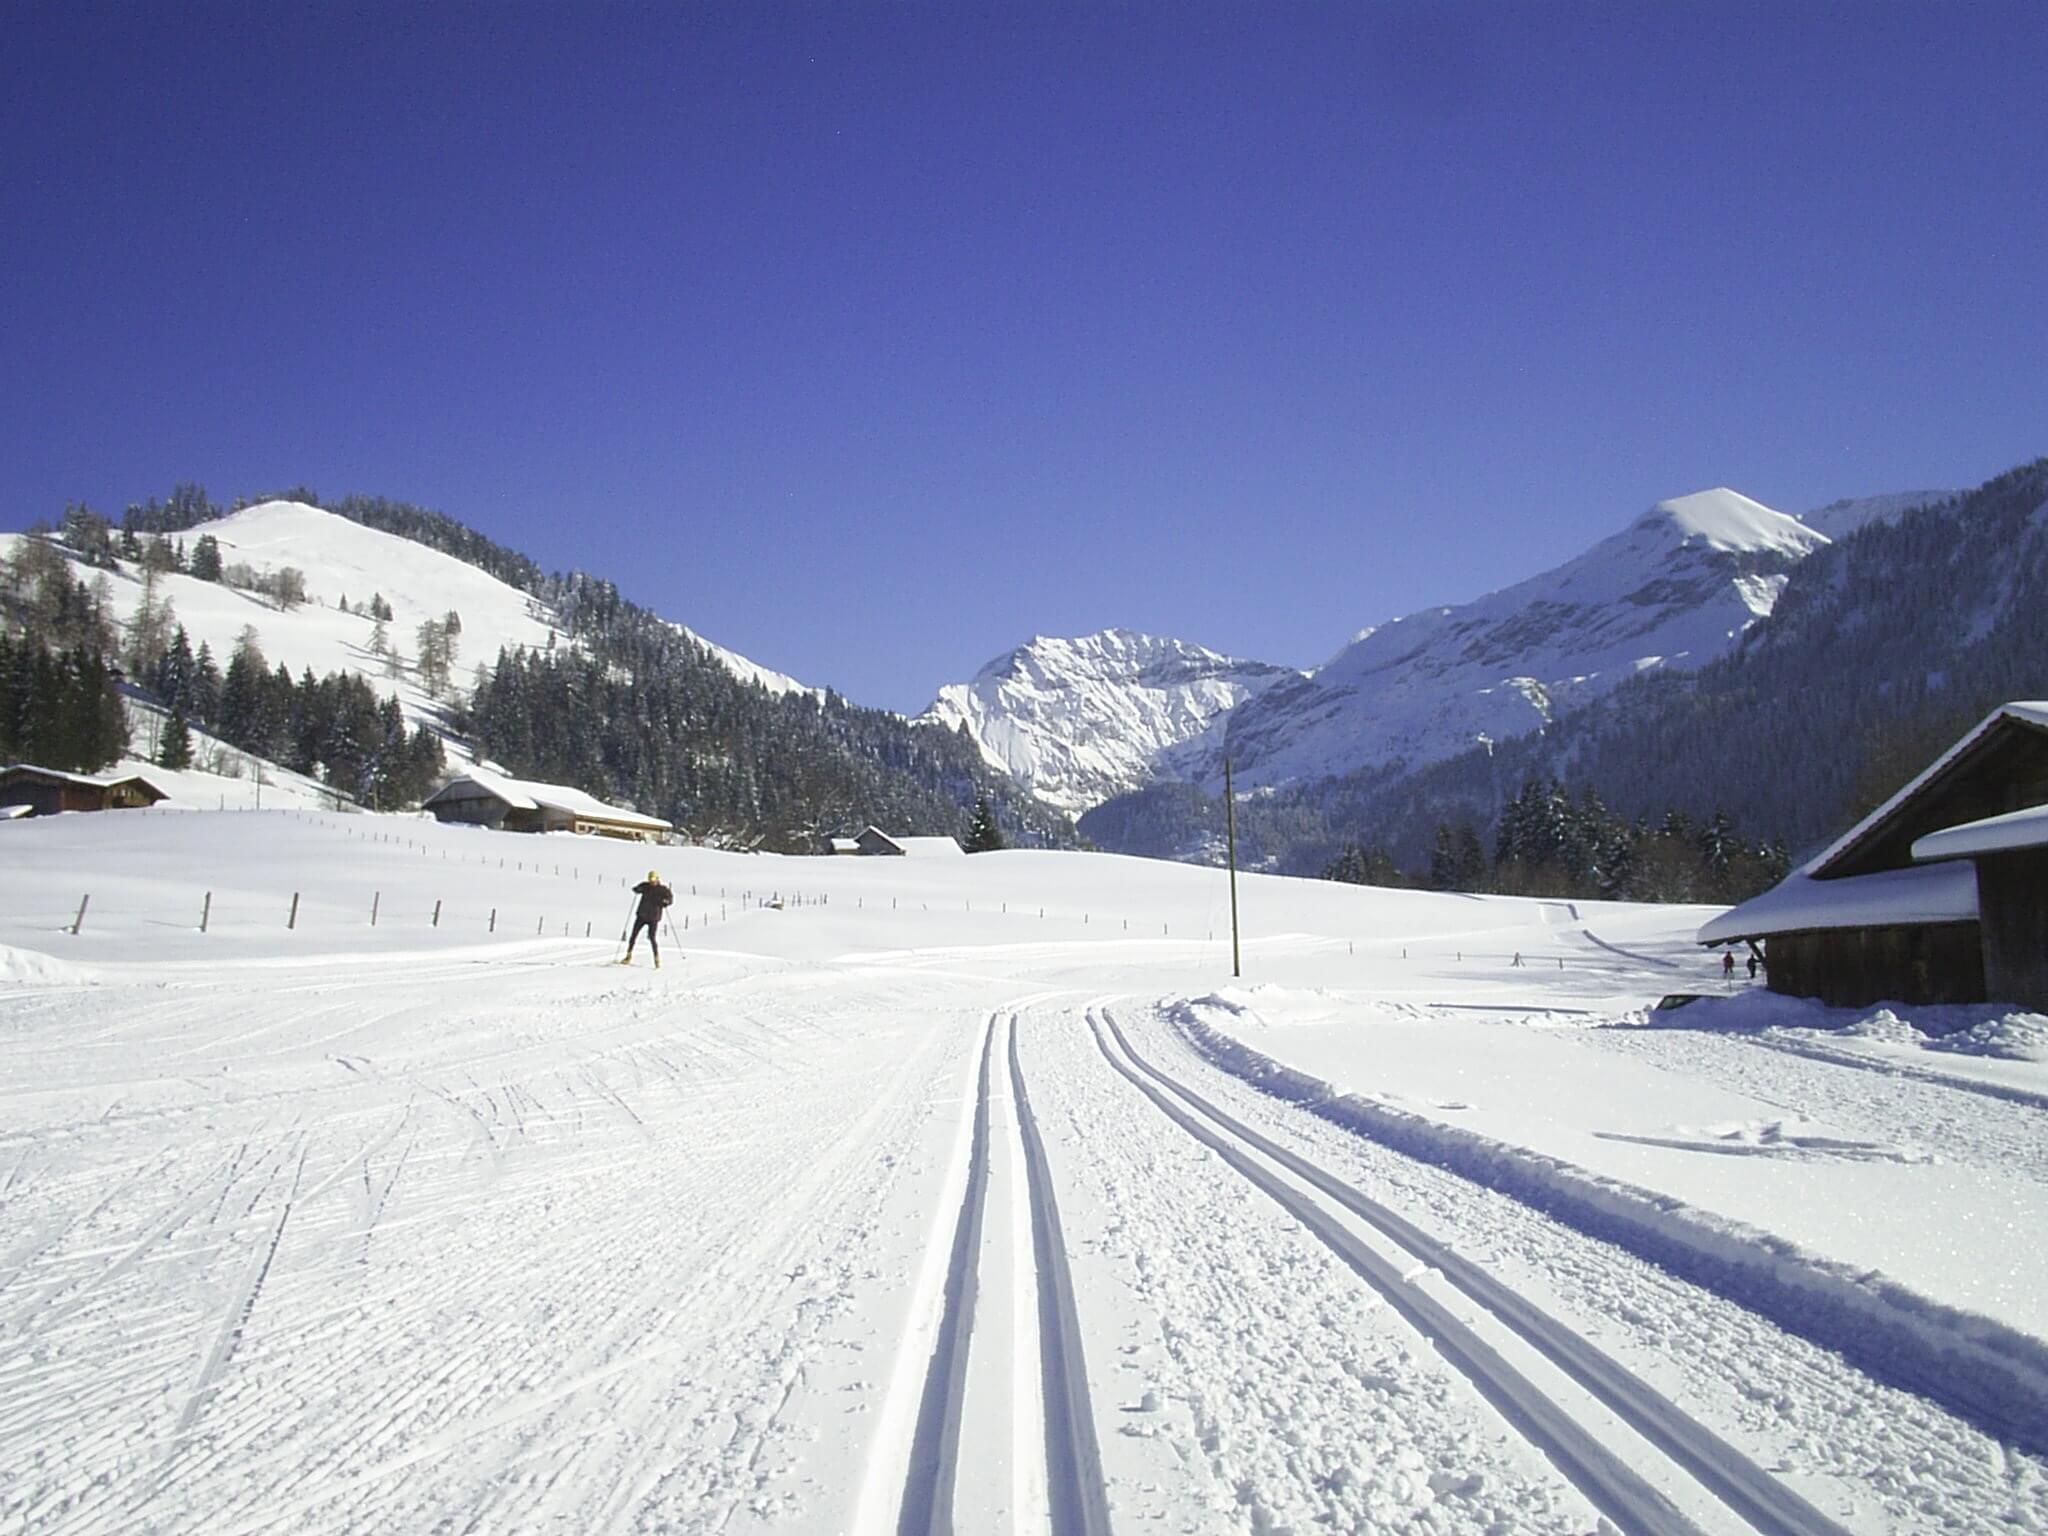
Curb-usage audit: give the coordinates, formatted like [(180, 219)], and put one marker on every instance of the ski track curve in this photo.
[(1764, 1503)]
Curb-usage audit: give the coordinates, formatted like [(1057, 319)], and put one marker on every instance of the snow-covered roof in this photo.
[(1926, 893), (916, 847), (504, 788), (845, 845), (90, 781), (527, 795), (2031, 711), (928, 847), (2026, 828)]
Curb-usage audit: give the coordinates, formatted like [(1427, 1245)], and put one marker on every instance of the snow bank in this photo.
[(27, 968), (2015, 1037), (1974, 1365)]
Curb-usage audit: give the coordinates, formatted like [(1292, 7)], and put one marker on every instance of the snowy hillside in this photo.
[(1675, 588), (975, 1195), (1839, 519), (1080, 720), (343, 560)]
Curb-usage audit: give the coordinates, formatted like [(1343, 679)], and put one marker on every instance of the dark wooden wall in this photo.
[(1855, 967), (2012, 905)]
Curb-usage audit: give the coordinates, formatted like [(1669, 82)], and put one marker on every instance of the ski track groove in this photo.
[(243, 1305), (927, 1508), (81, 1290), (1073, 1457), (1767, 1505)]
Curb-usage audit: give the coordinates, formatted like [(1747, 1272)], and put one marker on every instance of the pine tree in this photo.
[(174, 749), (206, 562), (983, 834)]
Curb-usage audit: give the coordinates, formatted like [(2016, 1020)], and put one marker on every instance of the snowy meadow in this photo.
[(347, 1184)]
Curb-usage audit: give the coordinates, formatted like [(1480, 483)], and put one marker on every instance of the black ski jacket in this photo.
[(654, 900)]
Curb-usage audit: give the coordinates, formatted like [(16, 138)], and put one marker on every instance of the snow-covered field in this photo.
[(971, 1194)]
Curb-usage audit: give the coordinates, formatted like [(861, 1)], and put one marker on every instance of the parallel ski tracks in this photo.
[(1073, 1481), (1308, 1192)]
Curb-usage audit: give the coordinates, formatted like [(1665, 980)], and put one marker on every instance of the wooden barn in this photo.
[(482, 798), (1940, 895), (46, 791)]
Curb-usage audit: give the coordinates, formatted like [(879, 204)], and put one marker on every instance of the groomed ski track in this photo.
[(824, 1228), (1069, 1479), (1400, 1271)]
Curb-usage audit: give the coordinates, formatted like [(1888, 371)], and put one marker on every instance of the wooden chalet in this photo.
[(480, 797), (47, 791), (1940, 895)]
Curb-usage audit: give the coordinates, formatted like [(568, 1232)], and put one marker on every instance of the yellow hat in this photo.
[(654, 877)]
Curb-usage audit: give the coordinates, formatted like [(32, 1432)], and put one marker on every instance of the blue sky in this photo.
[(872, 340)]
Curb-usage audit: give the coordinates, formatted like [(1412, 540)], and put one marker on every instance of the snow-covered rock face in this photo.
[(1081, 720), (1675, 588)]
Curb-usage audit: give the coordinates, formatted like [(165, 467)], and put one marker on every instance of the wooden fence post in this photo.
[(437, 911), (78, 922), (494, 920), (205, 911), (375, 901), (293, 920)]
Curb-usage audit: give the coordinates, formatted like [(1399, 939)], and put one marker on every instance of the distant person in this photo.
[(1727, 964), (1752, 965), (654, 901)]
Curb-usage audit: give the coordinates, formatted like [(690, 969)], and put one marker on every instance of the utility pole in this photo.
[(1230, 823)]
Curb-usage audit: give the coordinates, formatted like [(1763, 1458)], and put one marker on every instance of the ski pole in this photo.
[(619, 953)]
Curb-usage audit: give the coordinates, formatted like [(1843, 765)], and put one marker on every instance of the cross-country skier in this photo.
[(654, 900)]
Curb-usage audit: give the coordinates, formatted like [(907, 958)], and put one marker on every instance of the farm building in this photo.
[(46, 791), (482, 798), (1940, 895), (875, 843)]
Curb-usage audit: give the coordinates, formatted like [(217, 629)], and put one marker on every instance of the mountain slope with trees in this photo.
[(1881, 648), (598, 691)]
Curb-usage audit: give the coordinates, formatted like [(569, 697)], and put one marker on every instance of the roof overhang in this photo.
[(2010, 833), (1893, 898)]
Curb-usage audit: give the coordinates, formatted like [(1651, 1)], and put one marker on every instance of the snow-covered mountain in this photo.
[(1676, 587), (343, 560), (1080, 720)]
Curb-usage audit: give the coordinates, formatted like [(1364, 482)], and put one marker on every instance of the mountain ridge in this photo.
[(1081, 721)]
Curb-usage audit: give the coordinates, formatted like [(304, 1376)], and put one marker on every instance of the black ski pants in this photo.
[(652, 925)]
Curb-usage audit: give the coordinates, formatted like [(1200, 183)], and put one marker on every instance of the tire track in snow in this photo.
[(1612, 1486)]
